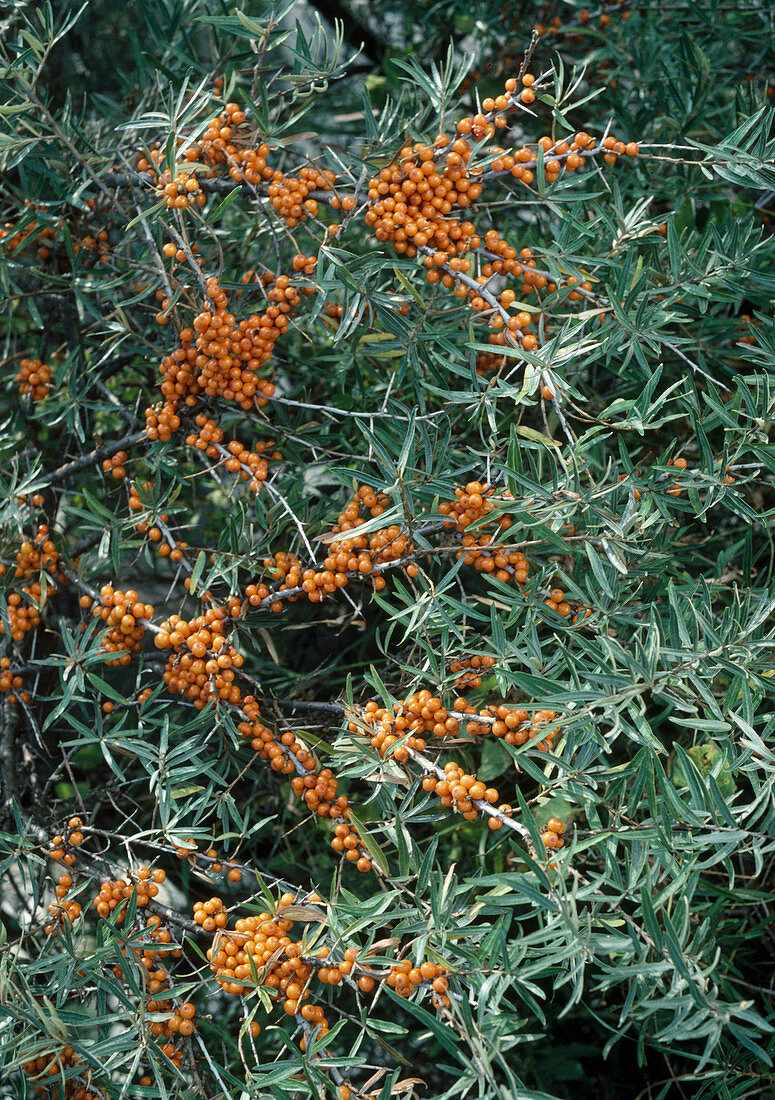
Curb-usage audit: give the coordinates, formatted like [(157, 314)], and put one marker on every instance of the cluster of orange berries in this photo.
[(11, 682), (173, 551), (179, 1019), (410, 200), (318, 790), (289, 194), (36, 500), (61, 845), (257, 936), (149, 164), (172, 252), (65, 909), (159, 933), (557, 602), (397, 734), (289, 571), (219, 357), (405, 977), (47, 1071), (202, 663), (183, 191), (474, 502), (180, 1022), (261, 945), (24, 608), (32, 233), (112, 893), (223, 143), (227, 354), (115, 465), (615, 149), (161, 421), (251, 466), (416, 716), (124, 614), (153, 927), (99, 244), (285, 569), (470, 670), (202, 667), (316, 787), (551, 834), (210, 915), (286, 756), (23, 615), (462, 792), (304, 265), (332, 310), (228, 141), (491, 118), (361, 553), (516, 727), (392, 728), (62, 888), (156, 981), (356, 554), (503, 259), (34, 378), (36, 555), (346, 840), (424, 713), (552, 27)]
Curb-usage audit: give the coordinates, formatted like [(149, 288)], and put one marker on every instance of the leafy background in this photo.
[(643, 967)]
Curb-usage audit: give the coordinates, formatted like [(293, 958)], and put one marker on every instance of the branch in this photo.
[(95, 456)]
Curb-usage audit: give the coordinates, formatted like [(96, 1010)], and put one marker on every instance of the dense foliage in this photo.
[(469, 341)]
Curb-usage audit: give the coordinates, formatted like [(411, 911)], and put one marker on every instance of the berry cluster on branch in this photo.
[(34, 379)]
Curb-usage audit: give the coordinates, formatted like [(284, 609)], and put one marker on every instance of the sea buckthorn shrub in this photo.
[(386, 604)]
